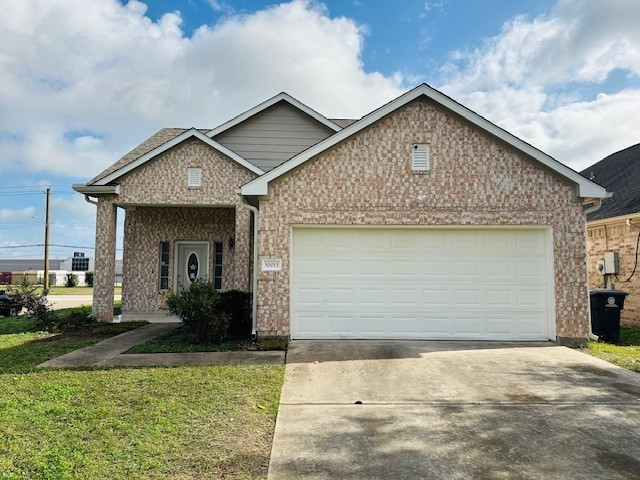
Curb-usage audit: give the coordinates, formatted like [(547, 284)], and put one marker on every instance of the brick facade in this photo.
[(615, 235), (160, 207), (474, 180)]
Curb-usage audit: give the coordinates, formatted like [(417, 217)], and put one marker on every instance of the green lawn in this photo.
[(61, 290), (181, 341), (157, 423), (626, 355), (23, 344)]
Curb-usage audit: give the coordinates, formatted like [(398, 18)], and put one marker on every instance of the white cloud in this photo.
[(75, 205), (526, 79), (17, 214), (107, 71)]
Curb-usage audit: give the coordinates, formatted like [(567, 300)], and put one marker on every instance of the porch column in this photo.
[(243, 250), (105, 260)]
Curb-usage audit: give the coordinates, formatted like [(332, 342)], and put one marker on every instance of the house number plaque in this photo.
[(271, 265)]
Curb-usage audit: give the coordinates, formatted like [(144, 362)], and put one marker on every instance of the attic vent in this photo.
[(420, 157), (194, 177)]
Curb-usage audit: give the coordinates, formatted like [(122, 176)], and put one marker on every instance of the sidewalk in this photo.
[(109, 353)]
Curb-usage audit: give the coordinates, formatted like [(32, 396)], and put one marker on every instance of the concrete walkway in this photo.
[(454, 410), (109, 353)]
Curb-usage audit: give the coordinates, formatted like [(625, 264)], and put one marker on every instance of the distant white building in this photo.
[(33, 269)]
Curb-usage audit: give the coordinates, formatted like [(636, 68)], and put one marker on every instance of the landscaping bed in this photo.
[(181, 340)]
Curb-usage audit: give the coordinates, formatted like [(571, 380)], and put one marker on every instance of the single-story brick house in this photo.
[(616, 226), (420, 220)]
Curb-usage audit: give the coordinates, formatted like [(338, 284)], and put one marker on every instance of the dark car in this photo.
[(9, 307)]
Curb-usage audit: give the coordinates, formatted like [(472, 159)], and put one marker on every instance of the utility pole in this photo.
[(46, 243)]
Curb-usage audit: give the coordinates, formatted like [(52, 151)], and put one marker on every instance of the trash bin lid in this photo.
[(607, 291)]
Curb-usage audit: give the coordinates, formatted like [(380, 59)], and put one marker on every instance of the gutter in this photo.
[(597, 203), (89, 200), (94, 190), (254, 280)]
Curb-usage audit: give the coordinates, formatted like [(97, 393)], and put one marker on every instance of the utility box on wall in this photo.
[(611, 263)]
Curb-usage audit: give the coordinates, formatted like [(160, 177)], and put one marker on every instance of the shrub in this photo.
[(78, 317), (71, 280), (88, 279), (238, 305), (200, 307), (36, 305), (52, 279)]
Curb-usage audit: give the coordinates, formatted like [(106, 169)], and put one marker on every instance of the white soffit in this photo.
[(192, 132), (268, 103), (585, 188)]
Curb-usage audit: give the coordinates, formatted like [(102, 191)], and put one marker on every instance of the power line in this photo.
[(34, 245)]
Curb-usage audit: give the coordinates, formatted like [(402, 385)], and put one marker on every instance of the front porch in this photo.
[(163, 247)]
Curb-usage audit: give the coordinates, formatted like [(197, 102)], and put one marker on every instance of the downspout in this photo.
[(88, 199), (254, 280), (597, 203)]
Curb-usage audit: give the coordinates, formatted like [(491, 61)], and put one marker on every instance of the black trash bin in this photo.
[(606, 305)]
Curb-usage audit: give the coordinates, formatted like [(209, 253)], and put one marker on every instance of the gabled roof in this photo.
[(618, 173), (281, 97), (155, 140), (585, 188), (191, 133)]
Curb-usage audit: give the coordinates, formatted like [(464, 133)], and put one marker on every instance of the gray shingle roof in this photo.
[(154, 141), (618, 173)]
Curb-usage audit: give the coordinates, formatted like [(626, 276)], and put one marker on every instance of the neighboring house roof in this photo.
[(191, 133), (162, 136), (585, 188), (618, 173), (281, 97)]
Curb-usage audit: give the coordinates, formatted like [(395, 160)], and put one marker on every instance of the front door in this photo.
[(192, 263)]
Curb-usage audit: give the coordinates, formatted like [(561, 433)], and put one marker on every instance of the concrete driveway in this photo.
[(454, 410)]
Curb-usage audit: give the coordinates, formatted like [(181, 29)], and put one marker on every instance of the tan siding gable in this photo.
[(274, 136)]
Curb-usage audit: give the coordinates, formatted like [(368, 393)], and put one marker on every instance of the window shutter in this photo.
[(420, 157), (194, 177)]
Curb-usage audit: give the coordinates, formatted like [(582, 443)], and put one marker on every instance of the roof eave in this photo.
[(585, 188), (192, 132), (268, 103), (96, 190)]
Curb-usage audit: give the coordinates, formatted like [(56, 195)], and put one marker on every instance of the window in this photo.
[(217, 267), (79, 264), (420, 160), (194, 177), (163, 271)]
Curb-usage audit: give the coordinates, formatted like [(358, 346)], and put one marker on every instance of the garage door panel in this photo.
[(412, 283), (308, 326), (500, 325)]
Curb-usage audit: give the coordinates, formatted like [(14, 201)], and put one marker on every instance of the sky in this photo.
[(82, 82)]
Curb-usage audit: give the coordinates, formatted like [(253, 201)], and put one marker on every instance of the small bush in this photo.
[(79, 317), (88, 279), (36, 305), (71, 280), (200, 307), (52, 279), (238, 305)]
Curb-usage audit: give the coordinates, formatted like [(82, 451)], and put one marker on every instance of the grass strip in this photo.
[(626, 354)]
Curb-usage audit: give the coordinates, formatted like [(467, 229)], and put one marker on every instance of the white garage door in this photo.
[(490, 283)]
